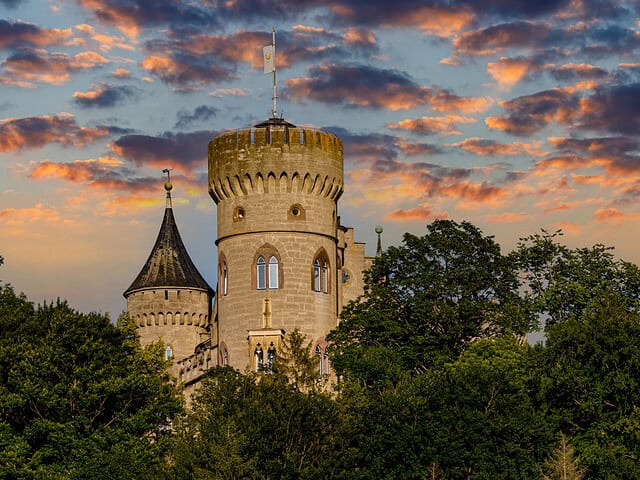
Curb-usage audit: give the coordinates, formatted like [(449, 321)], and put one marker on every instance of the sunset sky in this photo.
[(514, 115)]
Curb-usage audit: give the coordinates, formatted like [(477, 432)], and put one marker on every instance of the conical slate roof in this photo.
[(169, 264)]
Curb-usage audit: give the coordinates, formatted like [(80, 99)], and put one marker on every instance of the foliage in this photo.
[(563, 282), (425, 301), (564, 465), (472, 418), (253, 426), (590, 385), (78, 397), (295, 361)]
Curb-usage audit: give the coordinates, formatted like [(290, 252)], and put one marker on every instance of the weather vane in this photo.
[(269, 54)]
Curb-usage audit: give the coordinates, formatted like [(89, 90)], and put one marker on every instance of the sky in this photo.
[(515, 115)]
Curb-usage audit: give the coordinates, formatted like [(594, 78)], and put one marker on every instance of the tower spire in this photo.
[(168, 186)]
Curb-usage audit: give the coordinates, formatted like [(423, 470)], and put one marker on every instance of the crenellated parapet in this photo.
[(275, 159)]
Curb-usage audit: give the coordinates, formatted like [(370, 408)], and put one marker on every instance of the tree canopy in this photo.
[(79, 398)]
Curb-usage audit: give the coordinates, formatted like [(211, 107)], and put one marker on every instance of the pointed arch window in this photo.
[(259, 358), (267, 269), (273, 272), (261, 273), (320, 359), (321, 271), (271, 357)]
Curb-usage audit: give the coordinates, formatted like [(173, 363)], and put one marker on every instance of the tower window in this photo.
[(320, 277), (168, 353), (267, 270), (259, 358), (296, 212), (320, 358), (273, 272), (271, 357), (261, 274)]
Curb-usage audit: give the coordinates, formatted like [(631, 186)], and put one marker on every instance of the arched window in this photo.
[(168, 353), (259, 357), (267, 273), (261, 274), (271, 357), (326, 362), (225, 279), (320, 278), (225, 358), (324, 276), (273, 272), (316, 275), (320, 358)]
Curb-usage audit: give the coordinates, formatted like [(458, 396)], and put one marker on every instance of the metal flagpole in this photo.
[(275, 94)]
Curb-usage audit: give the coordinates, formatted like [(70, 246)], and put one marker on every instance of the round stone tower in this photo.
[(169, 300), (276, 188)]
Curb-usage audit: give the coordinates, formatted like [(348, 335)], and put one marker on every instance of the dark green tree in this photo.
[(254, 426), (78, 397), (425, 301), (471, 418), (589, 386), (562, 282)]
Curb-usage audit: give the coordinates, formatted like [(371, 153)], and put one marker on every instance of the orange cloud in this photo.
[(231, 92), (38, 213), (76, 171), (421, 212), (35, 132), (610, 215), (445, 125), (105, 42), (569, 227), (508, 217), (487, 147), (25, 69), (509, 71)]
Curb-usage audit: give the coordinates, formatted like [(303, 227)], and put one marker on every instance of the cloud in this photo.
[(37, 213), (183, 58), (15, 34), (614, 109), (421, 212), (105, 42), (200, 114), (529, 113), (487, 147), (490, 40), (185, 70), (610, 215), (509, 71), (131, 16), (445, 125), (104, 95), (412, 149), (184, 151), (27, 67), (577, 71), (369, 87), (121, 73), (36, 132), (231, 92), (508, 217)]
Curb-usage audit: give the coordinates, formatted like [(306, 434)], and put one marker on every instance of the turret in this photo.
[(169, 300)]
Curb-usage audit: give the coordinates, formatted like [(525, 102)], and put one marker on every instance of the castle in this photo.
[(284, 260)]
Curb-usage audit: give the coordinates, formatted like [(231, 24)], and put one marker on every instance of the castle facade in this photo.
[(284, 260)]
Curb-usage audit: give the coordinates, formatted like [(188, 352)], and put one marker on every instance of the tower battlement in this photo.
[(275, 159)]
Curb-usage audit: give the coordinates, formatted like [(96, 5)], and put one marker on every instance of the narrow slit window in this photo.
[(320, 358), (325, 277), (224, 279)]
